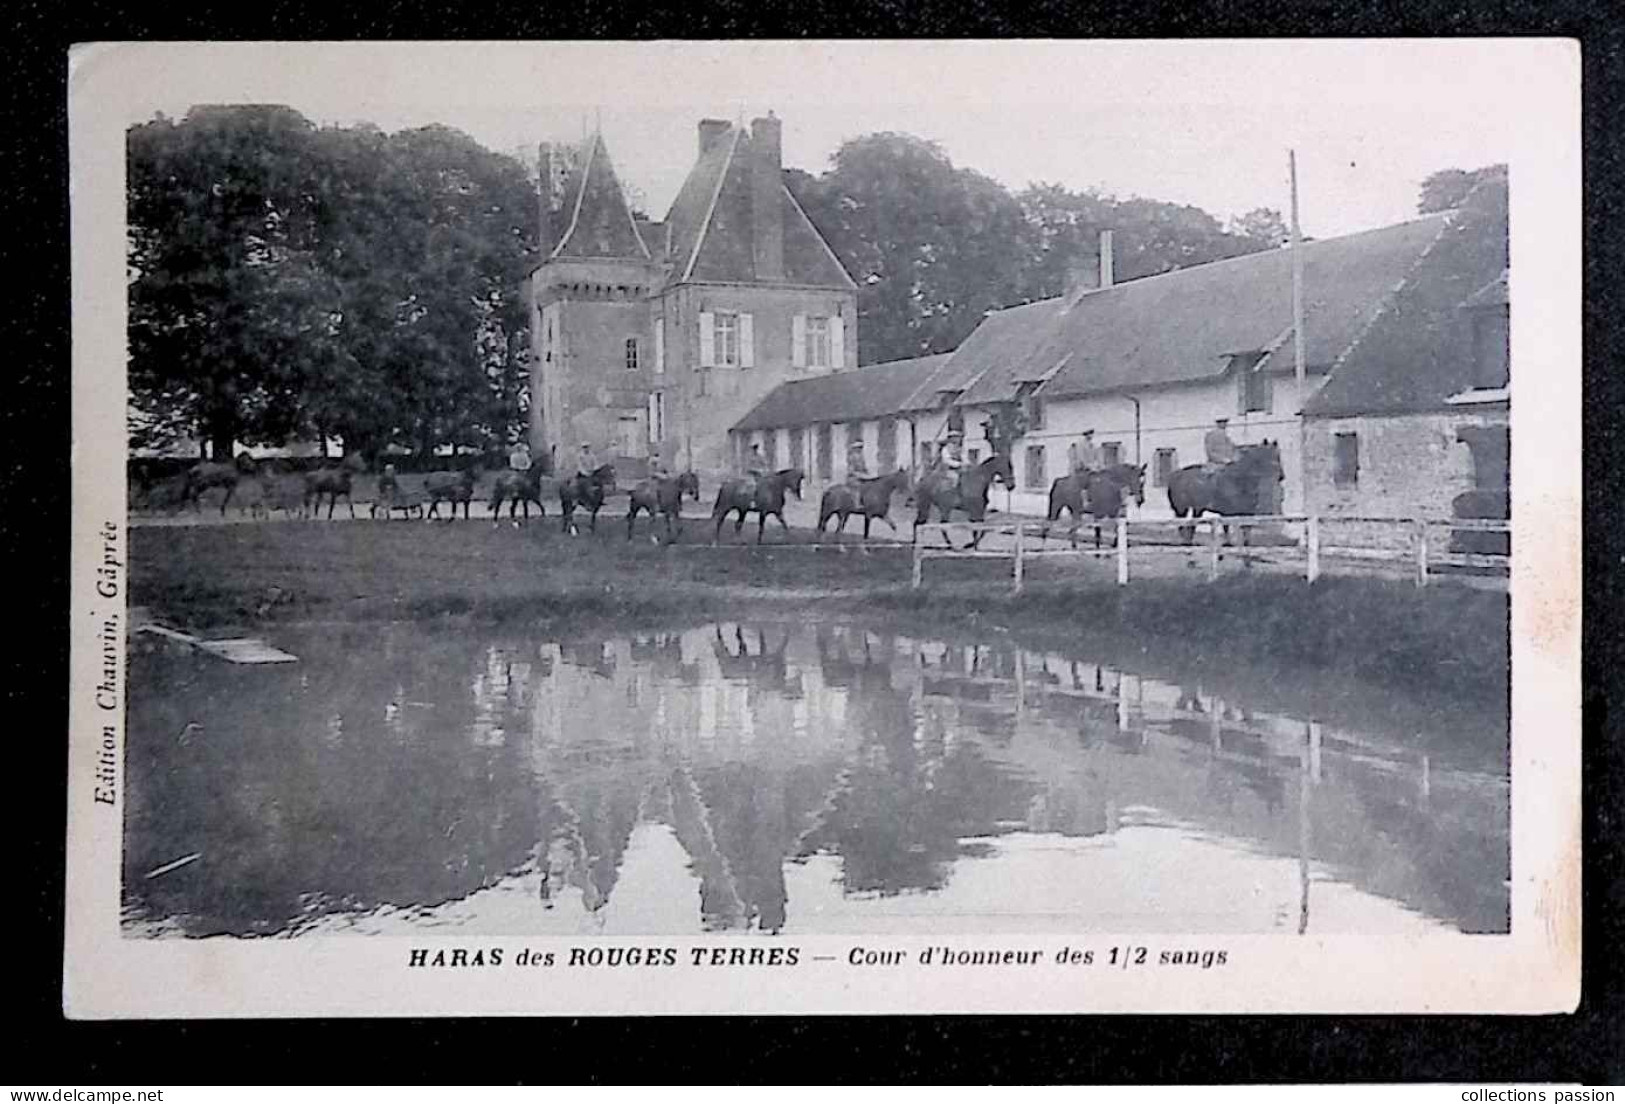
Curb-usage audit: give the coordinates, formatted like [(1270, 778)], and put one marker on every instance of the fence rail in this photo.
[(1423, 552)]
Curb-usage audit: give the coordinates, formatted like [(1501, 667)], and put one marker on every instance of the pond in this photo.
[(788, 777)]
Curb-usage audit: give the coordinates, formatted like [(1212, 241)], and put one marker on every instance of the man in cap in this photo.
[(1088, 454), (1220, 449), (856, 467), (951, 459), (585, 461)]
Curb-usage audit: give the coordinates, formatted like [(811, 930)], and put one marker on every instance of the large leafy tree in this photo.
[(934, 247), (1448, 188), (290, 281)]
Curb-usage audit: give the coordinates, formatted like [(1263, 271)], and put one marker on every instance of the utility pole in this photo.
[(1297, 337)]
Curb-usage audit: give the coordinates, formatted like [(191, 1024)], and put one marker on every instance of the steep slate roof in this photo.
[(877, 391), (710, 224), (1186, 325), (597, 220), (1004, 350), (1420, 350)]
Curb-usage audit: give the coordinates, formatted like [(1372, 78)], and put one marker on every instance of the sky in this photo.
[(1202, 122)]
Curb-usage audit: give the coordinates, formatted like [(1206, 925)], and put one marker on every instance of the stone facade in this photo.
[(658, 336)]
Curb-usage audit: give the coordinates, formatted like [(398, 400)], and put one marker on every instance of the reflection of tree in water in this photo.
[(335, 784), (901, 807)]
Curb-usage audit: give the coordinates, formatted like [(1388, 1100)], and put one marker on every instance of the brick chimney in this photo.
[(710, 131), (766, 197), (1091, 272)]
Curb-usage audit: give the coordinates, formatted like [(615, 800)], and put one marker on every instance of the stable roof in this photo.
[(877, 391), (1187, 325)]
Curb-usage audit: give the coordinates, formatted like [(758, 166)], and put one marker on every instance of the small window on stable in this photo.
[(1257, 392), (1035, 467), (631, 354), (1346, 459), (1166, 463), (1491, 336), (1111, 454)]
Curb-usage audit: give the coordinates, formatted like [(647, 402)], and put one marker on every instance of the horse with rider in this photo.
[(761, 490), (951, 485), (1095, 488), (1236, 481), (662, 493)]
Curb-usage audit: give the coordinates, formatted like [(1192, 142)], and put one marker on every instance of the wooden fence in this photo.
[(1028, 541)]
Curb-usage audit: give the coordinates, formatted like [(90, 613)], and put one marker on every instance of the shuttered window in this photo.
[(1035, 467)]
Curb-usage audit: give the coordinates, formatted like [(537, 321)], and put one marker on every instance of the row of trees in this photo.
[(934, 246), (294, 282), (289, 281)]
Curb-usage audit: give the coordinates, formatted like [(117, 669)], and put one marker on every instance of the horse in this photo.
[(332, 482), (1237, 488), (1100, 493), (967, 494), (764, 494), (452, 487), (207, 476), (665, 495), (520, 488), (587, 490), (872, 499)]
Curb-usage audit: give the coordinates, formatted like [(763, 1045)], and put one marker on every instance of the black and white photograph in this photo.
[(849, 526)]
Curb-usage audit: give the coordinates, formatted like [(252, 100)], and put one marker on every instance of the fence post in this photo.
[(1122, 551), (1421, 538), (1020, 552), (1215, 538), (917, 561), (1312, 541)]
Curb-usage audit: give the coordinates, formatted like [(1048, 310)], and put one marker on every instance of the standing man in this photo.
[(1220, 448)]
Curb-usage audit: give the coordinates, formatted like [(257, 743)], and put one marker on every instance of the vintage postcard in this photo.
[(824, 527)]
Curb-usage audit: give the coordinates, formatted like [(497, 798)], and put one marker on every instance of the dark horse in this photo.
[(663, 495), (587, 491), (764, 494), (520, 488), (1237, 488), (1100, 493), (207, 476), (872, 499), (452, 487), (332, 482), (968, 494)]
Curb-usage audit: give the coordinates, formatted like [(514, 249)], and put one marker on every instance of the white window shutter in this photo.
[(798, 341), (660, 346), (708, 340), (747, 342), (837, 342)]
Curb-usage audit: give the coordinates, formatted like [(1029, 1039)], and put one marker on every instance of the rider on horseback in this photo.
[(585, 461), (519, 457), (856, 469), (1220, 449), (950, 461), (1087, 456)]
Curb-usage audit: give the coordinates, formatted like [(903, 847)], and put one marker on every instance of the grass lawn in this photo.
[(1442, 640)]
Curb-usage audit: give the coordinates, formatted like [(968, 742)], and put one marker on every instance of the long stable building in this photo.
[(1405, 332)]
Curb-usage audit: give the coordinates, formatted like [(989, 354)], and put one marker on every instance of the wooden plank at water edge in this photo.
[(246, 650)]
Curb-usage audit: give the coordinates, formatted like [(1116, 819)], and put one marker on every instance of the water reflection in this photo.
[(778, 777)]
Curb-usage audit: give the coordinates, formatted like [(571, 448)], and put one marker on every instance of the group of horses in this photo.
[(1234, 489)]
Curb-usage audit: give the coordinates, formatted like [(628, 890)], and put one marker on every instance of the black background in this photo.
[(49, 1051)]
